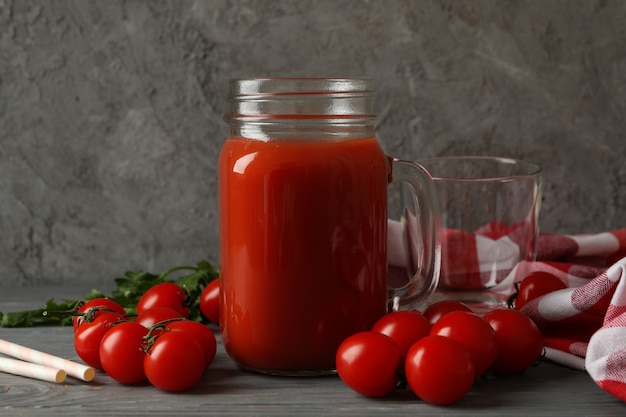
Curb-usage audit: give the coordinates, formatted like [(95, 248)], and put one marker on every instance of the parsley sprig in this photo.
[(127, 292)]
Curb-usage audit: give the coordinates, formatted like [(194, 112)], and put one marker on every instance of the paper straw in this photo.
[(77, 370), (31, 370)]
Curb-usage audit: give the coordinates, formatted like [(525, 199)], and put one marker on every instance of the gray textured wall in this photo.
[(111, 111)]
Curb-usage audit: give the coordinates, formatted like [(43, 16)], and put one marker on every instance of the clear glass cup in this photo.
[(303, 223), (489, 210)]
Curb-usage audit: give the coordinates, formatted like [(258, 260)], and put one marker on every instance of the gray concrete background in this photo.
[(111, 111)]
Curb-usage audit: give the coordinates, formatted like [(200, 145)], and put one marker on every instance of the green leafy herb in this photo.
[(46, 315), (129, 289)]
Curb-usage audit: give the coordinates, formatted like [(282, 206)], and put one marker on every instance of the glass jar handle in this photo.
[(416, 237)]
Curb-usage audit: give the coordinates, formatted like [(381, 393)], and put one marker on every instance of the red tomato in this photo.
[(210, 301), (101, 304), (204, 335), (165, 294), (155, 315), (88, 336), (535, 285), (404, 327), (174, 362), (435, 311), (519, 340), (368, 363), (473, 333), (121, 352), (439, 370)]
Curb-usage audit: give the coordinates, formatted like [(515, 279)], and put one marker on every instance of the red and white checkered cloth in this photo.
[(584, 325)]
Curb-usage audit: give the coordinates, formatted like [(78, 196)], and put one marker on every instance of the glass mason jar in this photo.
[(303, 223)]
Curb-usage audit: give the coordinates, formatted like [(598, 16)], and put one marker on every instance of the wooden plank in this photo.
[(225, 390)]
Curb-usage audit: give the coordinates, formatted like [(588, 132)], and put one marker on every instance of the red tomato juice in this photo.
[(303, 229)]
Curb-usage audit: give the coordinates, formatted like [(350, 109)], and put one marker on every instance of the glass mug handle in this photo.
[(415, 240)]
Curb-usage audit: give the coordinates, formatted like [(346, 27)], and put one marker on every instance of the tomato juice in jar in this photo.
[(305, 262), (303, 222)]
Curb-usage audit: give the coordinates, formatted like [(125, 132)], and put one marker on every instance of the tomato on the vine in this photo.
[(210, 301), (97, 306), (404, 327), (439, 370), (204, 335), (165, 294), (368, 363), (439, 309), (519, 340), (88, 337), (155, 315), (535, 285), (473, 333), (174, 361), (121, 352)]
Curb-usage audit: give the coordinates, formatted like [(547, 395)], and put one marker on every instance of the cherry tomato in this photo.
[(519, 340), (439, 370), (473, 333), (204, 335), (435, 311), (535, 285), (165, 294), (121, 352), (368, 363), (102, 304), (88, 337), (174, 362), (404, 327), (155, 315), (210, 301)]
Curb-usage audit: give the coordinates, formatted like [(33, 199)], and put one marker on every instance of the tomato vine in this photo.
[(128, 290)]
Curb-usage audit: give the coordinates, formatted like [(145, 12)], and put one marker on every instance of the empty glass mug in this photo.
[(303, 223), (489, 208)]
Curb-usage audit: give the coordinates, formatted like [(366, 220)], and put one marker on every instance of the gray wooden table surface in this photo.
[(545, 390)]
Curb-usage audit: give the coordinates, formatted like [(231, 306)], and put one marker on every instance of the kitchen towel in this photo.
[(584, 325)]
